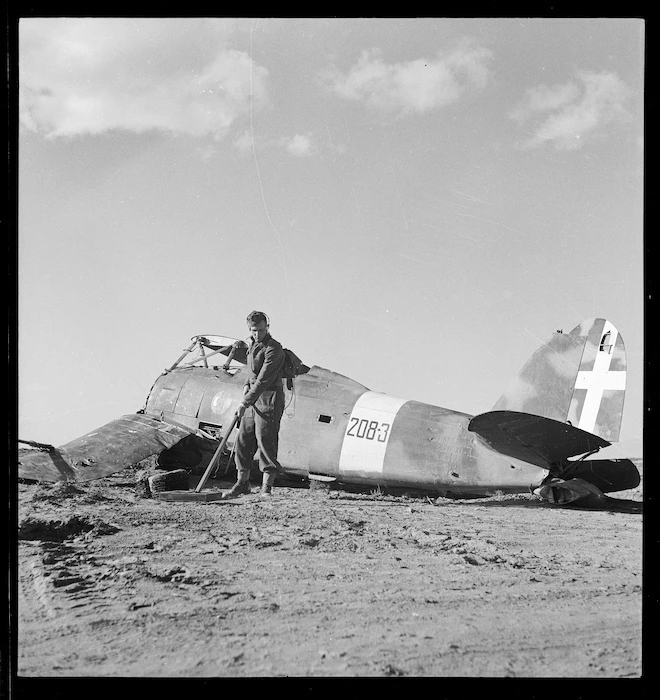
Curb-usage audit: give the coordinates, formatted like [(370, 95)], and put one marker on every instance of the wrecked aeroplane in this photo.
[(563, 407)]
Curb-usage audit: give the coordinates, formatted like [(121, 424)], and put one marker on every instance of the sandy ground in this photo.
[(325, 583)]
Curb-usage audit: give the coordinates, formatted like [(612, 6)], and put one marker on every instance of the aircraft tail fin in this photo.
[(577, 378)]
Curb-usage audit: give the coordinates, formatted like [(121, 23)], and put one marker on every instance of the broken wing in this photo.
[(108, 449)]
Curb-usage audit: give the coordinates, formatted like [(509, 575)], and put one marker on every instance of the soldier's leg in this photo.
[(246, 445), (267, 426), (267, 482)]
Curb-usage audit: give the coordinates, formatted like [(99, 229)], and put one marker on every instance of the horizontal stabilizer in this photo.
[(607, 474), (534, 439), (109, 449)]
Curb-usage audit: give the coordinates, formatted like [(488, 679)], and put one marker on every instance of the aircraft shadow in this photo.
[(406, 498), (600, 503), (377, 500), (606, 503)]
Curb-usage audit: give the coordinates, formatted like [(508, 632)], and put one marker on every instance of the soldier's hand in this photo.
[(240, 410)]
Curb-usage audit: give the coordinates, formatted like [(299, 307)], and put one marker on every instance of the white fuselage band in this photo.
[(368, 433)]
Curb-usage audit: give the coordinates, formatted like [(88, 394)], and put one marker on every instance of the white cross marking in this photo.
[(597, 380)]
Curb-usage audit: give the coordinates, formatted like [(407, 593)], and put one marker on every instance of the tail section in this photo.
[(577, 378)]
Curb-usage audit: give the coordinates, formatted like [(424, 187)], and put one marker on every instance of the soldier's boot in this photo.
[(267, 482), (242, 485)]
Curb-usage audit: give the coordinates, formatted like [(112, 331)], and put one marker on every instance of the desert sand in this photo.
[(314, 583)]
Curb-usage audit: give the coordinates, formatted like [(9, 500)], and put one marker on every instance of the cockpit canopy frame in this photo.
[(206, 346)]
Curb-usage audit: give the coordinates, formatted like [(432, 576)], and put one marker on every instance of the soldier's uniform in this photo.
[(260, 424)]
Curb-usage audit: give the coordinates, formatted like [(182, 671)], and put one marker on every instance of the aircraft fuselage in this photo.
[(336, 427)]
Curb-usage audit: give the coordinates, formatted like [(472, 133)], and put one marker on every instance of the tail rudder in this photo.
[(600, 384), (577, 377)]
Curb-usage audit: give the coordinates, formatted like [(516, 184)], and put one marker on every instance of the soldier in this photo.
[(261, 410)]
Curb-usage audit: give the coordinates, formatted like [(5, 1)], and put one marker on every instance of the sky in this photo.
[(416, 203)]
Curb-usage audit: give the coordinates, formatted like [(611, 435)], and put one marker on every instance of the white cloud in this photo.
[(564, 115), (92, 75), (544, 98), (416, 86), (243, 142), (299, 145)]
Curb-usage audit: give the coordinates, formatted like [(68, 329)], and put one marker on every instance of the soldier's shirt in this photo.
[(265, 362)]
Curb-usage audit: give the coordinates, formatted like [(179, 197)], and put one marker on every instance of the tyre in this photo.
[(176, 480)]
